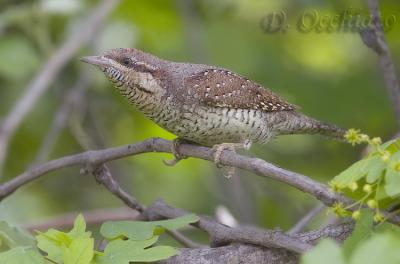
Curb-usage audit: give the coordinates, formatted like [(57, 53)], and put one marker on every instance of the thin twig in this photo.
[(219, 233), (223, 235), (305, 220), (374, 38), (183, 240), (48, 74), (104, 176)]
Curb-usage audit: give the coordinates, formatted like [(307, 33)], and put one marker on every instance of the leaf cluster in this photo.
[(368, 244), (127, 242), (373, 181)]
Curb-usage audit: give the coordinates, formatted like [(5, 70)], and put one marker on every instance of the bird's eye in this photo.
[(126, 61)]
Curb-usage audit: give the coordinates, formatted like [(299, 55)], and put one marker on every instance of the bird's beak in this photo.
[(100, 61)]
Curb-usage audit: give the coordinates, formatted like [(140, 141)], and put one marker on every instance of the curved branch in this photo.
[(255, 165), (250, 254), (236, 253), (220, 234), (260, 167), (374, 38)]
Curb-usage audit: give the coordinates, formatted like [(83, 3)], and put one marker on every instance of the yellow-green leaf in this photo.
[(392, 182), (80, 251), (125, 251), (326, 252), (21, 255), (138, 230)]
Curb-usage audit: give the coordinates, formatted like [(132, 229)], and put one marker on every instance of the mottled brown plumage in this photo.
[(222, 88), (204, 104)]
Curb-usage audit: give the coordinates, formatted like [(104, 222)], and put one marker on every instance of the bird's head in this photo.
[(129, 69)]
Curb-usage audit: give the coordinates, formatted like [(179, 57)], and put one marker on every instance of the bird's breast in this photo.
[(210, 126)]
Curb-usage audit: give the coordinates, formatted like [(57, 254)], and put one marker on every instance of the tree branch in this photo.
[(306, 219), (260, 167), (103, 176), (220, 234), (48, 74), (231, 159), (183, 240), (374, 38), (250, 254), (236, 253)]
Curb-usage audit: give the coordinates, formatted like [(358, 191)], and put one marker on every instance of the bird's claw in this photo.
[(175, 151), (171, 162), (219, 148)]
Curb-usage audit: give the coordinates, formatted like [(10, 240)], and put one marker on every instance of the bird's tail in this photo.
[(297, 123)]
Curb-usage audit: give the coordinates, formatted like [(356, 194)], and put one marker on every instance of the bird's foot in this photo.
[(219, 148), (175, 151)]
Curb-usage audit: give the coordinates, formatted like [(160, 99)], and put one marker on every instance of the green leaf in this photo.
[(381, 248), (392, 145), (357, 170), (11, 236), (381, 194), (387, 227), (365, 229), (125, 251), (21, 255), (80, 251), (392, 182), (326, 252), (79, 229), (376, 171), (51, 242), (75, 246), (138, 230), (362, 231)]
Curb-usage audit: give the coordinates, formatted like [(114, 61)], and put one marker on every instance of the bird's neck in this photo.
[(144, 92)]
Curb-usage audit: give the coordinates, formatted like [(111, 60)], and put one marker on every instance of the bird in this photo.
[(203, 104)]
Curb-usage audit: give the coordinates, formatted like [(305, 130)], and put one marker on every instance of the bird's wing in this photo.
[(222, 88)]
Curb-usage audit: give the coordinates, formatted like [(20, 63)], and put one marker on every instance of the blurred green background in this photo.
[(332, 76)]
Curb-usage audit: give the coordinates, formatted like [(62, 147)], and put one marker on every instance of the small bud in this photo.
[(353, 186), (356, 215), (386, 156), (378, 218), (339, 210), (367, 188), (335, 186), (372, 203), (376, 141), (353, 136), (364, 138)]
